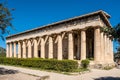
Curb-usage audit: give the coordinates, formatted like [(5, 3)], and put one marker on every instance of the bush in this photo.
[(46, 64), (85, 63)]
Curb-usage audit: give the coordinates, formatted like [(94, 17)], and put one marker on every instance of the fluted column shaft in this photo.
[(50, 55), (19, 50), (97, 46), (112, 56), (42, 48), (102, 47), (11, 50), (59, 56), (109, 49), (105, 47), (7, 50), (29, 49), (83, 45), (24, 49), (35, 49), (70, 46), (15, 55)]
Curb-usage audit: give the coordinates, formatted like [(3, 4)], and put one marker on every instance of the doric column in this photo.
[(29, 49), (83, 44), (59, 56), (102, 47), (42, 48), (97, 46), (107, 55), (15, 55), (7, 50), (109, 49), (70, 46), (105, 47), (112, 56), (35, 48), (50, 55), (19, 49), (24, 49), (11, 50)]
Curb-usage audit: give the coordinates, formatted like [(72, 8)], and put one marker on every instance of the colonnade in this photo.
[(35, 47)]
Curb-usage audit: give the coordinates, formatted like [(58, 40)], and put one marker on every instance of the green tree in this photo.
[(114, 32), (5, 19), (117, 54)]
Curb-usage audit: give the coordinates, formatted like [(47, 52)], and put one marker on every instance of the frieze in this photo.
[(58, 27)]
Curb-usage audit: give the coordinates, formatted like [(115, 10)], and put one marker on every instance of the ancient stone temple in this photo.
[(76, 38)]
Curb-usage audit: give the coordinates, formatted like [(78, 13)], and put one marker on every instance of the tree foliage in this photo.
[(2, 52), (5, 19), (113, 32), (117, 55)]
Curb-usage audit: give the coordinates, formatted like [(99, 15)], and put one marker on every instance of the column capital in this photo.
[(83, 29), (70, 31), (24, 39), (7, 43), (44, 36), (63, 32), (97, 27), (59, 34), (50, 35), (15, 42), (20, 41), (37, 38)]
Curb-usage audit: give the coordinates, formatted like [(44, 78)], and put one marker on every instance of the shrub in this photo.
[(46, 64), (85, 63), (108, 67)]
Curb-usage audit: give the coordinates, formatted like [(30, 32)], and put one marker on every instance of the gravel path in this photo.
[(95, 74), (17, 76)]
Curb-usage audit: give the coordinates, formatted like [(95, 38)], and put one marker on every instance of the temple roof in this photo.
[(102, 13)]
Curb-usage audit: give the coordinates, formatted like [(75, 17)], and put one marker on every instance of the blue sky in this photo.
[(30, 14)]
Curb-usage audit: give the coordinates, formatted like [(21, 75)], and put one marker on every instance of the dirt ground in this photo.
[(18, 73), (17, 76), (11, 74)]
